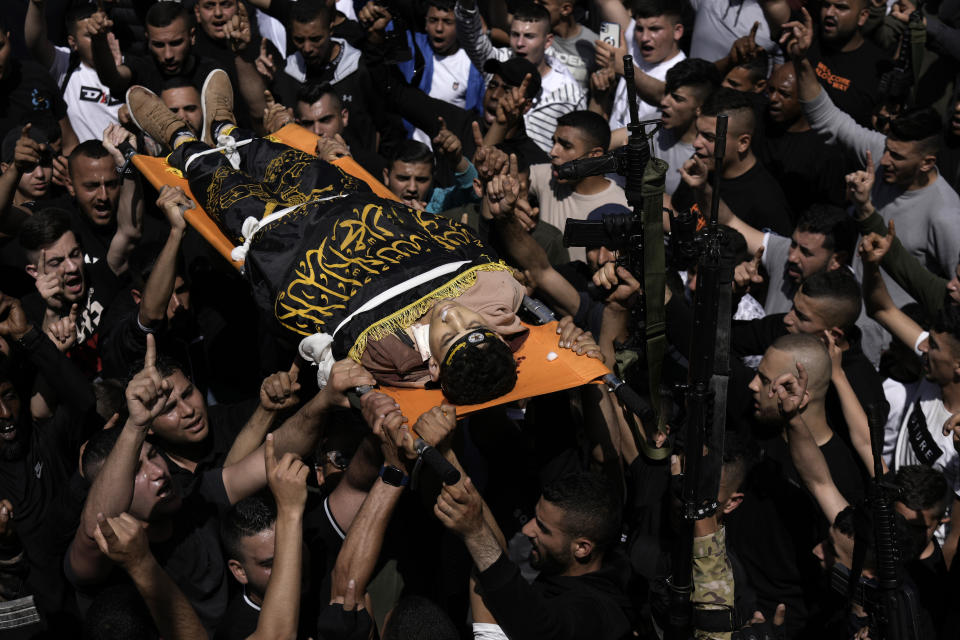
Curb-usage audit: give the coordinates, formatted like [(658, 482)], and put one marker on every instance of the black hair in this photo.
[(479, 374), (590, 507), (593, 126), (757, 66), (311, 92), (304, 11), (98, 447), (162, 14), (166, 367), (92, 149), (442, 5), (119, 613), (922, 487), (921, 125), (412, 151), (178, 82), (142, 261), (698, 74), (839, 231), (109, 393), (947, 321), (655, 8), (840, 286), (418, 618), (246, 518), (857, 522), (76, 14), (43, 228), (531, 12), (739, 455), (735, 104)]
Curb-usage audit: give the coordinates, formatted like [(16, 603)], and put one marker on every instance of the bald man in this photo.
[(746, 187), (778, 524)]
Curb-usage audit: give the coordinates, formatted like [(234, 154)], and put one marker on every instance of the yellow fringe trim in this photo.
[(400, 320)]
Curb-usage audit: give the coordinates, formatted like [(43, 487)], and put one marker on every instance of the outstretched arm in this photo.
[(129, 205), (879, 304), (35, 34), (470, 33)]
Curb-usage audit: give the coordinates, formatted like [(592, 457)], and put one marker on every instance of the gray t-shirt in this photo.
[(667, 147), (577, 54), (776, 250)]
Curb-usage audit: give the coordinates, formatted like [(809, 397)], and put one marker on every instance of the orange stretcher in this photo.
[(536, 375), (159, 174)]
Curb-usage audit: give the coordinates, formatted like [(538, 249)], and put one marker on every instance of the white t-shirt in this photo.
[(90, 107), (620, 112), (719, 23), (346, 8), (921, 439), (449, 83)]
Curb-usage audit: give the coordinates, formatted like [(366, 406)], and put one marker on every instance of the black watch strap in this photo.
[(394, 476)]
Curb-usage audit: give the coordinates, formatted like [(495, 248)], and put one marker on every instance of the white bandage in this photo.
[(486, 631)]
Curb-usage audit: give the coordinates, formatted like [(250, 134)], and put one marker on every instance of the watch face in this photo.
[(393, 476)]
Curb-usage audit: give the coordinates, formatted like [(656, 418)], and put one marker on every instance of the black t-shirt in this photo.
[(241, 618), (754, 197), (805, 167), (146, 72), (27, 91), (850, 78)]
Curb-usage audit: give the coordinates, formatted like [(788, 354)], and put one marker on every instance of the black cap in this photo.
[(513, 70), (10, 141)]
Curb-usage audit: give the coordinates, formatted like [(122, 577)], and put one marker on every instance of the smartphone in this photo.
[(610, 33)]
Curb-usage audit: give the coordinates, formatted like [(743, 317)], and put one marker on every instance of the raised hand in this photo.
[(748, 273), (275, 115), (113, 136), (148, 391), (797, 36), (791, 392), (488, 160), (694, 172), (63, 331), (379, 409), (28, 153), (61, 171), (526, 214), (330, 149), (435, 425), (952, 427), (902, 9), (237, 29), (287, 477), (514, 103), (279, 390), (123, 539), (460, 508), (98, 25), (503, 190), (49, 283), (874, 246), (603, 80), (447, 144), (345, 375), (6, 521), (173, 201), (609, 57), (746, 48), (860, 183), (836, 353), (264, 63), (623, 284), (577, 340), (374, 17), (13, 321)]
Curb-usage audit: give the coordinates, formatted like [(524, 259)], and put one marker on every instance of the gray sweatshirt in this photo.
[(927, 219)]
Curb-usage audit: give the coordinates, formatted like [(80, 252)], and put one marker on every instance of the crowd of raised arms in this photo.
[(174, 464)]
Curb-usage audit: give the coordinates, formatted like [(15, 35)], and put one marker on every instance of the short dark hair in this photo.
[(76, 14), (589, 505), (757, 66), (304, 11), (98, 448), (531, 12), (166, 367), (418, 618), (92, 149), (735, 104), (655, 8), (119, 611), (162, 14), (43, 228), (592, 126), (698, 74), (178, 82), (479, 374), (838, 228), (442, 5), (739, 455), (922, 487), (842, 289), (947, 321), (311, 92), (921, 125), (246, 518), (412, 151)]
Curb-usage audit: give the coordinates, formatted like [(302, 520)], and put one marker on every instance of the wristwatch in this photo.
[(393, 476)]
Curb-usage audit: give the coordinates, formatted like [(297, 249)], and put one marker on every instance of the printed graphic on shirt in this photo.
[(98, 95), (921, 441), (837, 82)]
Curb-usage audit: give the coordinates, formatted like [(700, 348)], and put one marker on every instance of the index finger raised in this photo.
[(477, 136), (150, 358)]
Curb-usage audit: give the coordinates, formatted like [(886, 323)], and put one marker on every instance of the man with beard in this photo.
[(848, 66), (38, 458), (931, 403), (580, 590)]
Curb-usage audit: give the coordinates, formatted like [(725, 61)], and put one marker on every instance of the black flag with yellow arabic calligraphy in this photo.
[(323, 261)]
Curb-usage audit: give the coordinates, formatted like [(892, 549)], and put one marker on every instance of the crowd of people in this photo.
[(192, 450)]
